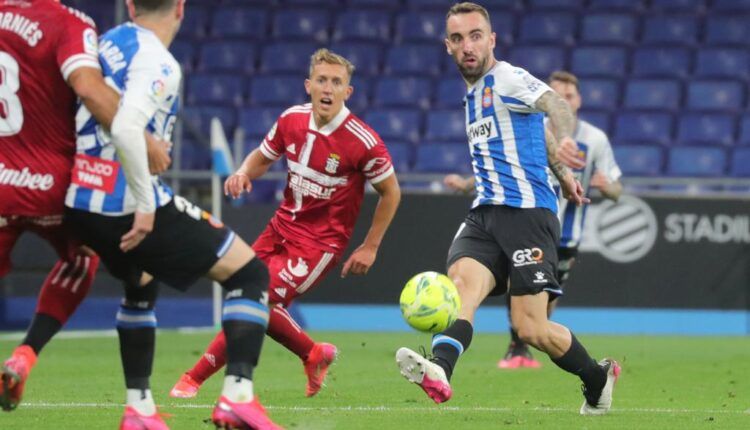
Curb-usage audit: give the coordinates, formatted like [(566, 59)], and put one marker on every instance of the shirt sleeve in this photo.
[(519, 90), (377, 164), (605, 161), (77, 47), (272, 146), (150, 84)]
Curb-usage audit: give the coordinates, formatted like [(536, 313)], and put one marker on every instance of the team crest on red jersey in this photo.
[(332, 163)]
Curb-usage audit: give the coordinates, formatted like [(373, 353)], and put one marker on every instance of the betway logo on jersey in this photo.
[(482, 130), (95, 173), (25, 179)]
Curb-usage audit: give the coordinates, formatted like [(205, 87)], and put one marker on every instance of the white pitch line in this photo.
[(48, 405)]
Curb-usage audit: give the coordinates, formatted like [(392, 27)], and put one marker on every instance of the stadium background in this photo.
[(666, 79)]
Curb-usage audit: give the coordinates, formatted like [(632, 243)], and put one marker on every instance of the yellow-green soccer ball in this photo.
[(430, 302)]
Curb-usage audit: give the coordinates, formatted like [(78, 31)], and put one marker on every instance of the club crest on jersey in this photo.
[(487, 97), (332, 163)]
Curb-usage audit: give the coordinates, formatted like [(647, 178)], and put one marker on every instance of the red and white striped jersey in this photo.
[(327, 169)]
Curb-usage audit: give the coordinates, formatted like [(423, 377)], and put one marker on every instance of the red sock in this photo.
[(283, 329), (66, 286), (212, 361)]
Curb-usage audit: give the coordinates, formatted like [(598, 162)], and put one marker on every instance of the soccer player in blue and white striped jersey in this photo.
[(508, 240)]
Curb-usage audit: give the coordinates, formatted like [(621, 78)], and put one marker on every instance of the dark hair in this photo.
[(563, 76), (467, 7), (153, 5)]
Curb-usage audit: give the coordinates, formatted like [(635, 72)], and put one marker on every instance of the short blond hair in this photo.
[(564, 77), (468, 7), (323, 55)]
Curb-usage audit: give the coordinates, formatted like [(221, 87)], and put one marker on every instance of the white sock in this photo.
[(237, 389), (141, 401)]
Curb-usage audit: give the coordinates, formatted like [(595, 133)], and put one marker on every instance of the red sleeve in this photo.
[(77, 47), (273, 144), (377, 164)]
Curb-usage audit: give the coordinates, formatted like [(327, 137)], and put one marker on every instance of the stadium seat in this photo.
[(366, 57), (744, 138), (418, 60), (442, 158), (731, 6), (311, 25), (443, 5), (184, 53), (257, 121), (446, 126), (277, 90), (401, 155), (652, 94), (740, 163), (597, 118), (661, 63), (670, 30), (617, 5), (450, 93), (600, 93), (193, 155), (406, 92), (644, 127), (195, 22), (292, 57), (723, 63), (638, 160), (360, 98), (706, 129), (420, 27), (380, 4), (715, 95), (395, 124), (555, 27), (697, 161), (240, 22), (692, 6), (571, 5), (197, 120), (599, 62), (540, 61), (503, 24), (215, 89), (227, 56), (727, 30), (609, 28), (358, 25)]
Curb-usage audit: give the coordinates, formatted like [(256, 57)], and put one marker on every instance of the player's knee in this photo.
[(250, 281), (141, 297), (531, 333)]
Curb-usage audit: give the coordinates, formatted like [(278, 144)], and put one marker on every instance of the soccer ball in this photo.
[(430, 302)]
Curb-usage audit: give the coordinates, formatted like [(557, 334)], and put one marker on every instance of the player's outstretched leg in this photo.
[(210, 362), (599, 402), (518, 354), (316, 357), (244, 320), (136, 329)]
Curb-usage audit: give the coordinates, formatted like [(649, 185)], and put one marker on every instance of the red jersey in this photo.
[(327, 169), (41, 43)]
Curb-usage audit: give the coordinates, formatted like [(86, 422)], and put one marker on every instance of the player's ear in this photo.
[(131, 8), (493, 40), (180, 10), (349, 92), (448, 46), (307, 86)]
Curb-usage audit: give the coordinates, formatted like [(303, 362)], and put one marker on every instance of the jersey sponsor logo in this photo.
[(90, 42), (112, 55), (540, 278), (300, 269), (487, 97), (95, 173), (482, 130), (528, 256), (332, 163), (25, 179), (309, 188)]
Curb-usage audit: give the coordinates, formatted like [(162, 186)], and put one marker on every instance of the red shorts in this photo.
[(48, 228), (294, 269)]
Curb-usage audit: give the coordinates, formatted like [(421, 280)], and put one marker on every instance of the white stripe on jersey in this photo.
[(79, 60), (314, 175), (489, 165), (297, 109), (511, 154), (327, 257), (364, 135)]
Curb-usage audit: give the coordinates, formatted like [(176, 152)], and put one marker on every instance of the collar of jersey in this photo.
[(334, 124)]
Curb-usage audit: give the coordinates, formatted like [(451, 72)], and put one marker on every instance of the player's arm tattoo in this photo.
[(557, 167), (561, 118)]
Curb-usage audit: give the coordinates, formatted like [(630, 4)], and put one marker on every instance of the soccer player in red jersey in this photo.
[(48, 58), (330, 155)]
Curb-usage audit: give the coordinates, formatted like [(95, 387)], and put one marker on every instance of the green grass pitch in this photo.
[(667, 383)]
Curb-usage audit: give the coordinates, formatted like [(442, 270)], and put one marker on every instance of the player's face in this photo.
[(569, 92), (470, 41), (328, 88)]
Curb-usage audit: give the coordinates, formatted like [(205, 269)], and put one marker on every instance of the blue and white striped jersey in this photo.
[(136, 63), (506, 139), (594, 148)]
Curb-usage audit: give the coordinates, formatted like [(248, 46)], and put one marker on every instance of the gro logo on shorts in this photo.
[(626, 230), (524, 257)]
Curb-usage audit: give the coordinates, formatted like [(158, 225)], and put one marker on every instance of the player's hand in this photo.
[(360, 261), (158, 154), (236, 184), (572, 190), (567, 153), (599, 180), (143, 223), (455, 182)]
